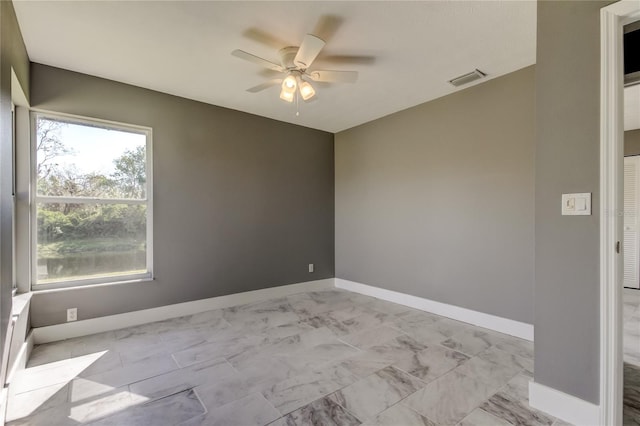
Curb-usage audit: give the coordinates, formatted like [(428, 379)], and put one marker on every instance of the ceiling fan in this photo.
[(295, 65)]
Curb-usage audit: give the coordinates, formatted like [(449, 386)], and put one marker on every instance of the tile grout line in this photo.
[(492, 395), (372, 374), (274, 407)]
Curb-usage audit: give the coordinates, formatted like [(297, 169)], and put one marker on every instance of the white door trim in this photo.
[(612, 18)]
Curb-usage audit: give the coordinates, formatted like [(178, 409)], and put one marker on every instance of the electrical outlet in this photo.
[(72, 314), (311, 267)]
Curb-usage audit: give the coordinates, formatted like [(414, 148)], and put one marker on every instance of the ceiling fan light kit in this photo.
[(296, 63), (306, 90), (289, 85), (292, 82), (286, 96)]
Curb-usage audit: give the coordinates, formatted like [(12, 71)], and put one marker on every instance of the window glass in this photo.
[(82, 161), (91, 209)]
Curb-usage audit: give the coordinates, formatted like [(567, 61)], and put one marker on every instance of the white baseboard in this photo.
[(492, 322), (68, 330), (23, 357), (19, 364), (4, 399), (563, 406)]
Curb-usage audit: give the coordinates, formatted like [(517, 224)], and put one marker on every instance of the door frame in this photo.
[(612, 19)]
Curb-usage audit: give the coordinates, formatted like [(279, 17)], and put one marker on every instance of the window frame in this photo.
[(35, 199), (14, 193)]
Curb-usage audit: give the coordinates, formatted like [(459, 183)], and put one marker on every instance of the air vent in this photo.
[(467, 78)]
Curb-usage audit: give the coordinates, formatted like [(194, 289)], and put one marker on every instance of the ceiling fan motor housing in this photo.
[(287, 54)]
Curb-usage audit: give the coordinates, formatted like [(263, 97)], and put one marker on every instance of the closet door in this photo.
[(631, 217)]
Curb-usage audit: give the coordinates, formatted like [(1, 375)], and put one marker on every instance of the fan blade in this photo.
[(348, 59), (334, 76), (256, 60), (309, 49), (265, 38), (269, 74), (265, 85), (327, 26)]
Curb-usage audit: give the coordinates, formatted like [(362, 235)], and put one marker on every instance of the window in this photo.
[(92, 208)]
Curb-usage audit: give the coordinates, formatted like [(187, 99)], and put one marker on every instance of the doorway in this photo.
[(613, 20), (631, 219), (631, 256)]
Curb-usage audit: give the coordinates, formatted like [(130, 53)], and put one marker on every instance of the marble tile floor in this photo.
[(631, 355), (317, 358), (631, 323)]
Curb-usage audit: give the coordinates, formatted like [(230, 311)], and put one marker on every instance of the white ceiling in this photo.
[(632, 107), (183, 48)]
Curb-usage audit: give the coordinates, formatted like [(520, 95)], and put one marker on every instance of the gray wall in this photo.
[(241, 202), (567, 160), (632, 142), (12, 55), (437, 201)]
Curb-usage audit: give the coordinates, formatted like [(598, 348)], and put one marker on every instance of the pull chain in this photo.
[(297, 104)]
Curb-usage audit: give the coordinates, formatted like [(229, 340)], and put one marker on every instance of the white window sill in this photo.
[(51, 288), (20, 302)]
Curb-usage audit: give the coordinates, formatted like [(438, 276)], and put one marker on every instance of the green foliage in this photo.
[(66, 228), (68, 182), (130, 176), (72, 222), (53, 224), (127, 181), (62, 249)]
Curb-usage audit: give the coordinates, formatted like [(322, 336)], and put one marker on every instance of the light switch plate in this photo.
[(576, 204)]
